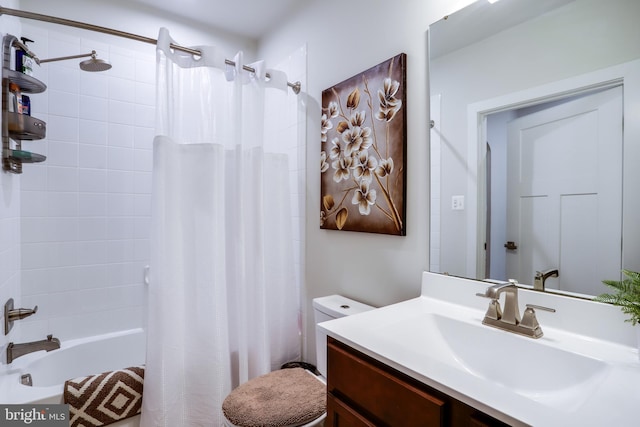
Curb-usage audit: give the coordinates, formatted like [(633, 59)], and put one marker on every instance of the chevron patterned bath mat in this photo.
[(102, 399)]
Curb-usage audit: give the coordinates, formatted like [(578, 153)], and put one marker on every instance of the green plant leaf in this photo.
[(626, 295)]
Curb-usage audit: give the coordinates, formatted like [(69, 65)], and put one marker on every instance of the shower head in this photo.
[(91, 64), (94, 64)]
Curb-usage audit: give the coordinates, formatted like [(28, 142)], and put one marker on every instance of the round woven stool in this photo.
[(283, 398)]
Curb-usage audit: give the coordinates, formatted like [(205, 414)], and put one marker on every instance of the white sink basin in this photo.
[(524, 365)]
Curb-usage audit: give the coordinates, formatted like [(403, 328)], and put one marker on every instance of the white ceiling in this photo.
[(248, 18)]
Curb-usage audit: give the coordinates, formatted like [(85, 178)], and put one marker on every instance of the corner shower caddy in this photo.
[(18, 127)]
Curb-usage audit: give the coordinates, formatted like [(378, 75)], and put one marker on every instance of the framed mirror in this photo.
[(532, 169)]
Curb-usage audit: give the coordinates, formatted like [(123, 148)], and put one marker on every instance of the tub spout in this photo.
[(16, 350)]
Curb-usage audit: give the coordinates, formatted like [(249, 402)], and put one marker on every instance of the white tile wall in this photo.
[(86, 210), (9, 223)]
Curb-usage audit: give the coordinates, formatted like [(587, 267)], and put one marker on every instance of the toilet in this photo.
[(292, 397)]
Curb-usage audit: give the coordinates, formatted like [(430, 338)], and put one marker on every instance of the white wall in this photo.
[(85, 211), (584, 36), (9, 222), (343, 39)]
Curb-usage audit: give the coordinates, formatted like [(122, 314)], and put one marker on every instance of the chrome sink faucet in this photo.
[(542, 276), (509, 319), (16, 350)]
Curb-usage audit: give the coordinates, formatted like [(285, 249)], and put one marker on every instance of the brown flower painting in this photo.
[(363, 148)]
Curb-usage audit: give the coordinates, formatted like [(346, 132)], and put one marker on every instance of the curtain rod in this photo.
[(68, 22)]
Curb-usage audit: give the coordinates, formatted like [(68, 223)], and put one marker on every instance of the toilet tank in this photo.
[(329, 308)]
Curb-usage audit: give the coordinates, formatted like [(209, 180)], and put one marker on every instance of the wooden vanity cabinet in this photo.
[(362, 391)]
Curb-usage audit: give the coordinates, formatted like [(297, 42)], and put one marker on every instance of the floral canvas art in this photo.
[(363, 149)]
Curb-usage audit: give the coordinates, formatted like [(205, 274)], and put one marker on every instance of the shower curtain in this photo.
[(223, 302)]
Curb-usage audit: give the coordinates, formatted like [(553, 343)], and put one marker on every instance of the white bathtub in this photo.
[(74, 358)]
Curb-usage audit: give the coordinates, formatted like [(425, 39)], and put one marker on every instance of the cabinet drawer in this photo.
[(377, 393), (341, 415)]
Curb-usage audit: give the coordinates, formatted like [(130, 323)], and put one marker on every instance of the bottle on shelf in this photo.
[(24, 63), (15, 102), (26, 105)]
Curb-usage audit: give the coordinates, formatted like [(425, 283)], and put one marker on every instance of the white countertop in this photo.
[(405, 337)]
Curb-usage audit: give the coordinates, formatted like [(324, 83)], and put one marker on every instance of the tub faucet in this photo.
[(542, 276), (16, 350)]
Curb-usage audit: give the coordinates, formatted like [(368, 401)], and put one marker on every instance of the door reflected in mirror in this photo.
[(554, 190), (529, 181)]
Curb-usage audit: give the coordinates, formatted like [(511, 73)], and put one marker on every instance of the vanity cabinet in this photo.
[(362, 391)]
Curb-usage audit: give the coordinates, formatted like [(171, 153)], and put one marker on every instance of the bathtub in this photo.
[(74, 358)]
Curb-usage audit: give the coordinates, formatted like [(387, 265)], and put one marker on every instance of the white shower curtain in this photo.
[(223, 301)]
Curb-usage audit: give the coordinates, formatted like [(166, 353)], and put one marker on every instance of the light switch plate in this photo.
[(457, 203)]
